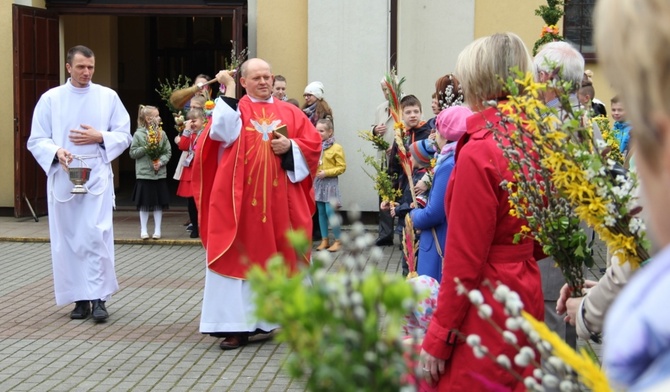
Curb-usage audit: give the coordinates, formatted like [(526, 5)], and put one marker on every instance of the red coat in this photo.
[(480, 247), (187, 143)]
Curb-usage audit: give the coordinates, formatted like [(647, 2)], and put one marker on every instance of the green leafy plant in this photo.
[(377, 141), (343, 328), (383, 180), (167, 87)]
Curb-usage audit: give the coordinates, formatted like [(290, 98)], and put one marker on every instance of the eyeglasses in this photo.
[(307, 95)]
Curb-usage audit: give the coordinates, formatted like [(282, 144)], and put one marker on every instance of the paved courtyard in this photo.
[(151, 341)]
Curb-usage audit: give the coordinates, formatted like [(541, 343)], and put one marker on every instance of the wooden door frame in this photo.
[(30, 198)]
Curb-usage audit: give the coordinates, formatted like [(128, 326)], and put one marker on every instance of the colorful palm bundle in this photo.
[(393, 90), (409, 243), (405, 162)]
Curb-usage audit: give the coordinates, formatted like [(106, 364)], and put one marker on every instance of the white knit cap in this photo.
[(316, 89)]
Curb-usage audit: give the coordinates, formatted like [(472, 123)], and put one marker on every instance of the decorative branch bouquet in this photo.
[(165, 90), (574, 165), (234, 62), (612, 150), (552, 221), (551, 14), (377, 141), (154, 147), (344, 328), (383, 181), (557, 367)]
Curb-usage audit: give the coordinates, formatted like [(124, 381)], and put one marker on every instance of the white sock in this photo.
[(158, 219), (144, 218)]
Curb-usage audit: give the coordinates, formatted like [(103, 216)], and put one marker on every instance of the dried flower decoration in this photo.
[(448, 97)]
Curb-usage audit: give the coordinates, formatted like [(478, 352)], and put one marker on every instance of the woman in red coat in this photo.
[(480, 244)]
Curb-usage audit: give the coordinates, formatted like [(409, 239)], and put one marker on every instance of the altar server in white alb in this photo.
[(81, 123)]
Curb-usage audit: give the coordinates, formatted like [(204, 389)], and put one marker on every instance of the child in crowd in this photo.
[(421, 154), (416, 325), (432, 220), (316, 108), (326, 189), (585, 96), (621, 128), (151, 191), (415, 130), (197, 102), (187, 143)]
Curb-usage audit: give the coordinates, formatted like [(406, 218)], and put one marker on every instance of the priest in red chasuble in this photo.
[(252, 183)]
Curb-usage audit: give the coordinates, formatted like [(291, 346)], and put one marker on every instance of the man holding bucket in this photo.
[(81, 124)]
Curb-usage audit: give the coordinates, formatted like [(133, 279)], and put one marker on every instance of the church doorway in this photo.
[(157, 49), (145, 43)]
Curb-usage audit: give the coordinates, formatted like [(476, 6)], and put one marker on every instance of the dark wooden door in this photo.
[(36, 69)]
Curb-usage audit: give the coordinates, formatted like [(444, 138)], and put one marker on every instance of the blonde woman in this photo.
[(633, 40), (480, 240)]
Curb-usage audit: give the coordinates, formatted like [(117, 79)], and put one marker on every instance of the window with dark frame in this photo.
[(578, 26)]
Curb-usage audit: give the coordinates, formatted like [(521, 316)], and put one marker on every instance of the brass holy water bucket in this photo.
[(79, 176)]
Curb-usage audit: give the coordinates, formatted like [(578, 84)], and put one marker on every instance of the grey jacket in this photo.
[(144, 169)]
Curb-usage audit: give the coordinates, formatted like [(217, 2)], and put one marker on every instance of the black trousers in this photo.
[(385, 224), (193, 214)]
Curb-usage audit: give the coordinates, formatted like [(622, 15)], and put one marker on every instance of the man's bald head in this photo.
[(253, 63), (256, 78)]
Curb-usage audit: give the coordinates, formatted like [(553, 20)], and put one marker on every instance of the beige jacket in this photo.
[(596, 302)]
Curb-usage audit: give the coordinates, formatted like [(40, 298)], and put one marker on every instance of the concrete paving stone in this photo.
[(255, 388), (236, 386), (124, 386), (170, 379), (234, 369), (281, 380), (295, 389), (266, 376), (25, 386), (148, 382), (48, 385)]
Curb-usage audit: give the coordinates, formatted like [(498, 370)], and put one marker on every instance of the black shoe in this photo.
[(384, 241), (234, 342), (82, 309), (194, 234), (99, 311)]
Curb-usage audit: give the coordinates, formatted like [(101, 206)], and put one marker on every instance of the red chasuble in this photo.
[(246, 202)]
